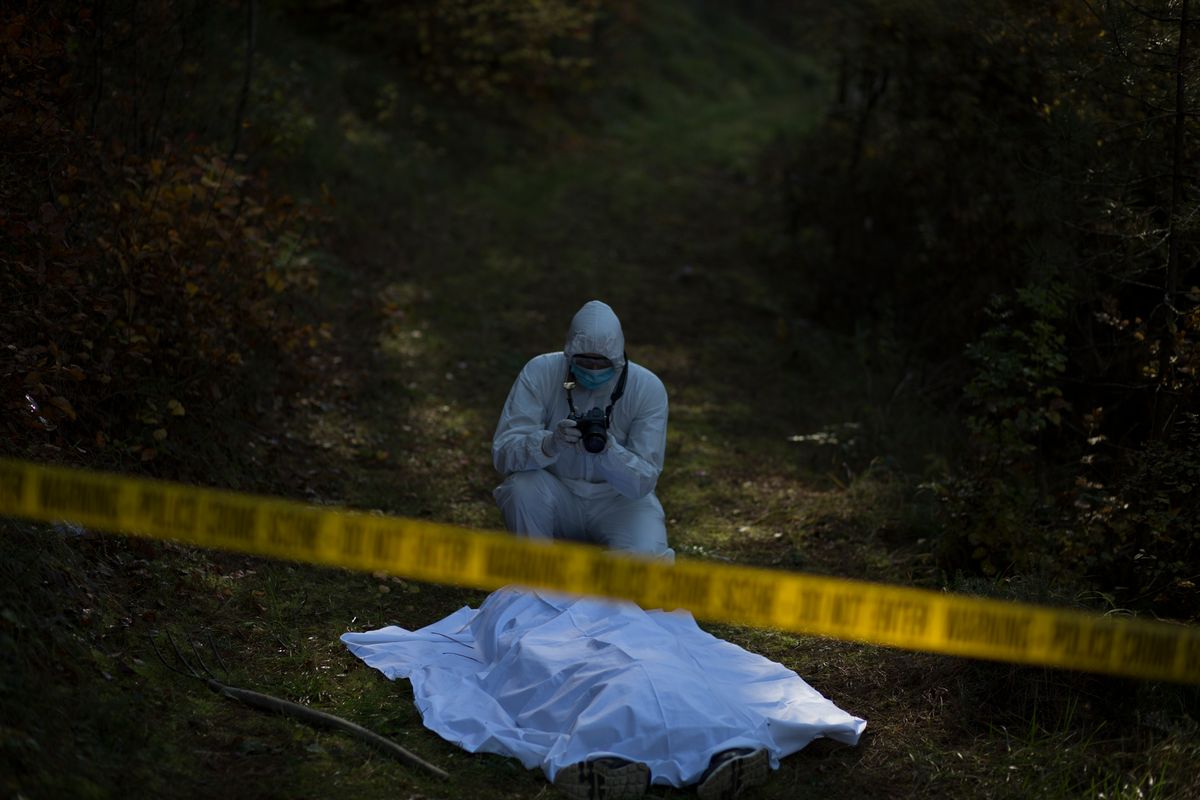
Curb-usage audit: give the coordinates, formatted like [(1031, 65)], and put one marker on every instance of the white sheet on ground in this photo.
[(553, 680)]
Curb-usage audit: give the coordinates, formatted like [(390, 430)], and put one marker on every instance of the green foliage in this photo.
[(1144, 532), (484, 49), (282, 121), (962, 138), (492, 54), (993, 523), (63, 641), (147, 281), (1019, 361), (907, 201)]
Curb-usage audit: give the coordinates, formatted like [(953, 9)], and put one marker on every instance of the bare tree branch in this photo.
[(1163, 408), (239, 115)]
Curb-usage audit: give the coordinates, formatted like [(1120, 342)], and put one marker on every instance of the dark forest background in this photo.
[(920, 276)]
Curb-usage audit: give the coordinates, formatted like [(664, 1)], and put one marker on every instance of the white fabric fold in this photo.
[(553, 680)]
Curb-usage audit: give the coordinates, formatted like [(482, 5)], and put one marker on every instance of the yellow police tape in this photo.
[(914, 619)]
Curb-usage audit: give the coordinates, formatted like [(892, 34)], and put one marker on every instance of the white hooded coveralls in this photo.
[(556, 680), (605, 497)]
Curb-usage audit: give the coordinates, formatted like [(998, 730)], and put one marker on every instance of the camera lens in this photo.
[(594, 442)]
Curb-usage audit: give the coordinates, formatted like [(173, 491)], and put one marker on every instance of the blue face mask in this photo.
[(592, 378)]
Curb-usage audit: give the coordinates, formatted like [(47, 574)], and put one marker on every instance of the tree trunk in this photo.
[(1164, 404), (239, 115)]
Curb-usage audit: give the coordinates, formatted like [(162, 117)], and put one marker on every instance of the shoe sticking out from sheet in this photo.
[(733, 771), (604, 779)]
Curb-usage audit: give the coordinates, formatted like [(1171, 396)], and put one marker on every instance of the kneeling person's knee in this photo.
[(527, 502)]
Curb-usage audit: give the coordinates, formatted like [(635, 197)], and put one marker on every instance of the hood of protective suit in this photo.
[(596, 329)]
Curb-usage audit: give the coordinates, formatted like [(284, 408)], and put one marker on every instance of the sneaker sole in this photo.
[(736, 775), (590, 780)]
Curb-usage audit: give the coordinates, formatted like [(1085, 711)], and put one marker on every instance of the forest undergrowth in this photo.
[(404, 254)]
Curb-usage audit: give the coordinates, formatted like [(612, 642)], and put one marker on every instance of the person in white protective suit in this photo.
[(589, 479), (607, 698)]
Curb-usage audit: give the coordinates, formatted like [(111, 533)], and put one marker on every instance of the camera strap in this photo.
[(569, 384)]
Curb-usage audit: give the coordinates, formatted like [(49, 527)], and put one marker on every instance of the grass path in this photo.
[(657, 212), (443, 301)]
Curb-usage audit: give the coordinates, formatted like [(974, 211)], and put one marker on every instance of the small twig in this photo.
[(179, 655), (217, 653), (166, 663), (200, 659)]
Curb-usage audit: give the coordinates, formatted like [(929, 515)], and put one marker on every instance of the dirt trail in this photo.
[(491, 270), (426, 346)]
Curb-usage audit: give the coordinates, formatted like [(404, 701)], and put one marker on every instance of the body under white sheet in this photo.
[(553, 680)]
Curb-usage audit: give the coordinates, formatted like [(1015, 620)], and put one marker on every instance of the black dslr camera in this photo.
[(594, 427)]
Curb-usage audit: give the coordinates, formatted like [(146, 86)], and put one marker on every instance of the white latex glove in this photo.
[(566, 435)]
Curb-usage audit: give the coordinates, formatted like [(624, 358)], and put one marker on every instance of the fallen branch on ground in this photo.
[(278, 705)]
